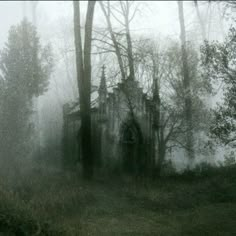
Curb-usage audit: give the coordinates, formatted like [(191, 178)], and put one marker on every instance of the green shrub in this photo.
[(18, 219)]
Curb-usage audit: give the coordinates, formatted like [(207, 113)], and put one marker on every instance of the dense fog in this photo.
[(54, 22), (116, 93)]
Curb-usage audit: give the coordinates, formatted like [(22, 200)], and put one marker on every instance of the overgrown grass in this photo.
[(47, 202)]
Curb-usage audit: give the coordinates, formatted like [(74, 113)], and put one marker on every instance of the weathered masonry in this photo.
[(122, 131)]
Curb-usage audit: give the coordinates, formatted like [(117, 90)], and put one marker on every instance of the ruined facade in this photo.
[(122, 121)]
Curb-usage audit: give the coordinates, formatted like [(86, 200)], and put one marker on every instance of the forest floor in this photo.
[(55, 203)]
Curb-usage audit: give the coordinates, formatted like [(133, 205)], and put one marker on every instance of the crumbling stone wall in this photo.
[(121, 128)]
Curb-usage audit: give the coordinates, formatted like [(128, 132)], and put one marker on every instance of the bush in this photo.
[(229, 159), (168, 169), (18, 219)]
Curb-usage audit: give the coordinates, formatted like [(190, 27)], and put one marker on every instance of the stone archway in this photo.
[(131, 145)]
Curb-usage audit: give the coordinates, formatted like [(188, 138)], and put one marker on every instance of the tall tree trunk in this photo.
[(187, 84), (83, 65), (36, 99), (221, 23), (125, 8), (201, 21), (156, 113), (113, 38), (161, 158)]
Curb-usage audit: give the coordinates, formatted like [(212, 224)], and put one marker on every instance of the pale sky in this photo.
[(157, 19), (154, 17)]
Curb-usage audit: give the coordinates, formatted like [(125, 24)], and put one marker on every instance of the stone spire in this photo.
[(102, 93), (103, 87)]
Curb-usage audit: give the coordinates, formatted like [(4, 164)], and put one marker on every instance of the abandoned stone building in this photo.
[(122, 123)]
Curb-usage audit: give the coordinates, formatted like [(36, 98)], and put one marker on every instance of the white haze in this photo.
[(55, 26)]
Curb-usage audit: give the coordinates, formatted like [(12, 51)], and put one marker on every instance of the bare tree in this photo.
[(123, 13), (83, 65), (107, 14), (201, 20), (125, 7), (211, 12), (186, 82)]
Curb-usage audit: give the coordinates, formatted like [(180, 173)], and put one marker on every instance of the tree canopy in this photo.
[(219, 60), (25, 69)]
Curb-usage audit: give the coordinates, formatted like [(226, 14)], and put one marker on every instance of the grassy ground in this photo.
[(54, 203)]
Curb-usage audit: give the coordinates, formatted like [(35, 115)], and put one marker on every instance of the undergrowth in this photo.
[(45, 202)]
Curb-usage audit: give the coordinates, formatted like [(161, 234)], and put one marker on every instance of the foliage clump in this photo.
[(219, 60), (25, 67), (16, 218)]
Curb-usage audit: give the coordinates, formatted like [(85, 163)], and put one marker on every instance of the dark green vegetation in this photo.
[(219, 61), (52, 203), (25, 68), (49, 201)]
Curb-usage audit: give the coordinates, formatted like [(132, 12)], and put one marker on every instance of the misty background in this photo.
[(54, 22), (150, 150)]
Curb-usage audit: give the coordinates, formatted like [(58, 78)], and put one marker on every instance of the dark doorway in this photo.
[(131, 142)]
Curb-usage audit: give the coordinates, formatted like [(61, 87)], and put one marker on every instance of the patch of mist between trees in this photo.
[(49, 115), (180, 161)]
